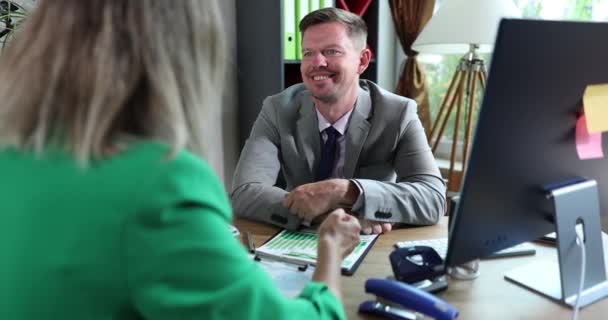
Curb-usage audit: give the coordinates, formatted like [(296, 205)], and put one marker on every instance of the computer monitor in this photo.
[(525, 139)]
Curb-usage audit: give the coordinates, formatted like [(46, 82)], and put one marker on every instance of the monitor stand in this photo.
[(573, 204)]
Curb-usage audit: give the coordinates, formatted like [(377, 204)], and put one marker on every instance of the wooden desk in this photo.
[(487, 297)]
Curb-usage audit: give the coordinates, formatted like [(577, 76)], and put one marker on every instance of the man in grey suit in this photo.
[(340, 142)]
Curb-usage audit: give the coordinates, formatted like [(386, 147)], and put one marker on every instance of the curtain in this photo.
[(409, 17)]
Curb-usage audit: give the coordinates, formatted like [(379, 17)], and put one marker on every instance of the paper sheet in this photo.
[(595, 103), (588, 145), (288, 279), (301, 247)]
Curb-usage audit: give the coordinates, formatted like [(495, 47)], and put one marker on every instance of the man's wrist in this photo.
[(350, 192)]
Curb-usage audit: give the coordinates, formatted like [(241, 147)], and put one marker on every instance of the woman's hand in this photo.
[(340, 229), (338, 236)]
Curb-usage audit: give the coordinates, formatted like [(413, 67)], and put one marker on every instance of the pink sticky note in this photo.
[(588, 146)]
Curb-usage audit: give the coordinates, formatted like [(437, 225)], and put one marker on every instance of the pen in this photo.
[(249, 240)]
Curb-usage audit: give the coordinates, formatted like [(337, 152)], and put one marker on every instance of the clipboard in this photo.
[(300, 248)]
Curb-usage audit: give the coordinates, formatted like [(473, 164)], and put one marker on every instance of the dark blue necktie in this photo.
[(328, 154)]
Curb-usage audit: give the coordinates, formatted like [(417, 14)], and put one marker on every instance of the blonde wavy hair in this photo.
[(85, 73)]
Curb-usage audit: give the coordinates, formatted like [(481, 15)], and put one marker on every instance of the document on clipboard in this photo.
[(300, 247), (288, 278)]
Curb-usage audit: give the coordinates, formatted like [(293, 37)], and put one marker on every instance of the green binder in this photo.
[(314, 5), (302, 9), (289, 30), (327, 3)]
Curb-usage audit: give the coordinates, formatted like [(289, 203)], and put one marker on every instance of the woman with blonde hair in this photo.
[(108, 210)]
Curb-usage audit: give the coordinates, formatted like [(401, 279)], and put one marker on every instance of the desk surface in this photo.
[(489, 296)]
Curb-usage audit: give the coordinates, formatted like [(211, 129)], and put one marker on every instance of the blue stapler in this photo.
[(399, 301)]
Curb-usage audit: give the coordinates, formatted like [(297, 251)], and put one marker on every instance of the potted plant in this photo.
[(12, 14)]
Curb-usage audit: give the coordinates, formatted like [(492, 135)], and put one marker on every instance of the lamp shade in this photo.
[(459, 23)]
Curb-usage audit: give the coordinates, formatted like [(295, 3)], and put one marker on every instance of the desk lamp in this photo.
[(469, 27)]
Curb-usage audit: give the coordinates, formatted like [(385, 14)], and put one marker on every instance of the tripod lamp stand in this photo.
[(469, 27), (470, 72)]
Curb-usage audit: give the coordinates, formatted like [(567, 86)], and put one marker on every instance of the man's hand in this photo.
[(313, 199), (375, 227)]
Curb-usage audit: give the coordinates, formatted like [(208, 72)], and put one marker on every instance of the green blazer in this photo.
[(136, 236)]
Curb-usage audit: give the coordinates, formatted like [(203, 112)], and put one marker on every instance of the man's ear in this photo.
[(364, 58)]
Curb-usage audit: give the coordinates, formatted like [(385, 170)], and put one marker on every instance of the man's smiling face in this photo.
[(331, 61)]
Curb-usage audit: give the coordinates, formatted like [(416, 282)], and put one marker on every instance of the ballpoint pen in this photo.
[(249, 240)]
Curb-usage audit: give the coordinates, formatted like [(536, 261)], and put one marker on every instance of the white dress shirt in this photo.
[(341, 125)]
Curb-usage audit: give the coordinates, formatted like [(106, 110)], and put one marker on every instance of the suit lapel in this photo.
[(308, 133), (358, 129)]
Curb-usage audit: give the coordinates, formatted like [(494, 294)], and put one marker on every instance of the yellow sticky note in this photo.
[(595, 102)]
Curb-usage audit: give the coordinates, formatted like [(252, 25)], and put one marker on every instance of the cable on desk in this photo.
[(581, 244)]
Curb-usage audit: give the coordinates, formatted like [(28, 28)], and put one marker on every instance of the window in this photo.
[(440, 68)]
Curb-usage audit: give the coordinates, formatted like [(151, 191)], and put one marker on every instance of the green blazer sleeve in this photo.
[(183, 263)]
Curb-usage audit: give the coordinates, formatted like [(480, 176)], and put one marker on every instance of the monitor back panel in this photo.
[(525, 136)]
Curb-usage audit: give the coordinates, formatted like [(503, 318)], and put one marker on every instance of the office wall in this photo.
[(388, 47), (227, 147)]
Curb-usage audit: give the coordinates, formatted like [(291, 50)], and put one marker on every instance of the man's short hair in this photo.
[(355, 25)]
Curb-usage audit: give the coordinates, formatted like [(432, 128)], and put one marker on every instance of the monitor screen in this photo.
[(525, 135)]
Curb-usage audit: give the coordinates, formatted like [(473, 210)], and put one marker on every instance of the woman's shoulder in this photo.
[(158, 159), (184, 173), (159, 156)]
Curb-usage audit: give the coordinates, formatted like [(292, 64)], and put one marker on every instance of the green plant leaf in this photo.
[(18, 5)]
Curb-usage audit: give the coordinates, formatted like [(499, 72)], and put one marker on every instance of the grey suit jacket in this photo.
[(386, 153)]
